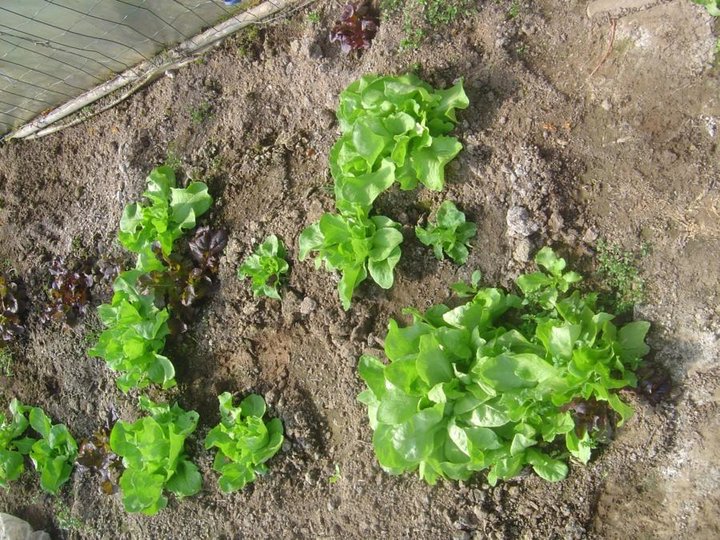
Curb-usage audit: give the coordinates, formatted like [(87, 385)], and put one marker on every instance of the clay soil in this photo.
[(601, 121)]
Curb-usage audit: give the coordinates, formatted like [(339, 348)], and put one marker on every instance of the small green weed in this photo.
[(172, 158), (336, 476), (6, 362), (201, 113), (423, 17), (313, 17), (513, 10), (247, 39), (64, 518), (619, 272)]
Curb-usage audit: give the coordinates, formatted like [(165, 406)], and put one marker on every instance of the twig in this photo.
[(613, 25)]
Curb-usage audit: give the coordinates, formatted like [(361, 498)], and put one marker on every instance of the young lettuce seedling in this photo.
[(135, 336), (153, 452), (244, 441), (10, 325), (13, 446), (265, 267), (451, 234), (54, 454), (171, 211), (357, 26), (354, 244)]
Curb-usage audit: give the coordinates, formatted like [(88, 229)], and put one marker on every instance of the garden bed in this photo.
[(605, 143)]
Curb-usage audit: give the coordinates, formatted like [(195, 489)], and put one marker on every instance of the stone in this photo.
[(519, 223), (14, 528), (590, 235), (307, 306), (523, 251)]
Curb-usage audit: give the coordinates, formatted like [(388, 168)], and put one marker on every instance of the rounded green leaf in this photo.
[(253, 405)]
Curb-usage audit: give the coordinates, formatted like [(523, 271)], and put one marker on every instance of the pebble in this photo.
[(556, 222), (591, 234), (523, 251), (606, 105), (519, 222), (307, 306)]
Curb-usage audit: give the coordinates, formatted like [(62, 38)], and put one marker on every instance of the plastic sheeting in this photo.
[(54, 50)]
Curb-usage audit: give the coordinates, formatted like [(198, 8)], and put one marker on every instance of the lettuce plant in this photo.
[(137, 320), (10, 324), (54, 453), (354, 244), (153, 454), (135, 336), (13, 446), (492, 383), (394, 129), (171, 211), (357, 26), (244, 441), (184, 281), (96, 456), (451, 234), (265, 267), (70, 290)]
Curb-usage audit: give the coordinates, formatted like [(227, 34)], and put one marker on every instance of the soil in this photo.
[(602, 127)]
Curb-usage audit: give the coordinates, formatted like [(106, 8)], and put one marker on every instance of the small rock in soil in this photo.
[(523, 250), (556, 222), (307, 306), (519, 222), (590, 235)]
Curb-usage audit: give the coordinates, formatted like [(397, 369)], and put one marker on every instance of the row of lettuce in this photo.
[(495, 381), (148, 304)]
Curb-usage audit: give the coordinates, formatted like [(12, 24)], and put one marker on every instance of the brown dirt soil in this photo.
[(622, 146)]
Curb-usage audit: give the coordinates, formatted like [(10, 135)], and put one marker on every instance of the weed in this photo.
[(172, 158), (513, 10), (313, 17), (619, 272), (423, 17), (6, 362), (201, 113), (247, 39), (335, 476), (64, 518)]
